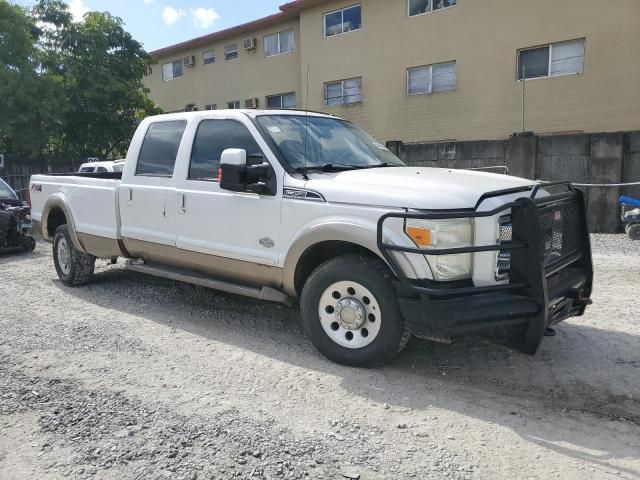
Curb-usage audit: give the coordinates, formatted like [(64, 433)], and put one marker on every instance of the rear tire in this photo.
[(350, 312), (74, 267), (633, 230)]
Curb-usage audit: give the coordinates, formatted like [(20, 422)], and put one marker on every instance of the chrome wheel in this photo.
[(64, 256), (349, 314)]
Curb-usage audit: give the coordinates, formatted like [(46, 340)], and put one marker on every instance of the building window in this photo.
[(281, 42), (231, 52), (211, 106), (208, 57), (343, 92), (342, 21), (171, 70), (420, 7), (233, 105), (282, 101), (431, 78), (563, 58)]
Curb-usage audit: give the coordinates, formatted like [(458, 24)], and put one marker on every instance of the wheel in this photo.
[(350, 313), (74, 267), (633, 230), (29, 244)]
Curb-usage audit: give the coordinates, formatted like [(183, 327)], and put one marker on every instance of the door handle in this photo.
[(182, 202)]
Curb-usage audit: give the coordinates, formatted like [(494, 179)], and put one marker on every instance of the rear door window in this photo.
[(86, 170), (212, 138), (160, 148)]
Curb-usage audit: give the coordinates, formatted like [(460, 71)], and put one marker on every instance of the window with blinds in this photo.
[(562, 58), (439, 77)]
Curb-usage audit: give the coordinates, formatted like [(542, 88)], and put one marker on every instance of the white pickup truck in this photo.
[(282, 205)]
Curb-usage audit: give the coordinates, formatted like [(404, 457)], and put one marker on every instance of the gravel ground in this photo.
[(134, 377)]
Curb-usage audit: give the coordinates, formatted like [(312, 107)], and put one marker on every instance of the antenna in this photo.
[(306, 124)]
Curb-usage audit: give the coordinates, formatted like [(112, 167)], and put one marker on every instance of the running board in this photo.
[(264, 293)]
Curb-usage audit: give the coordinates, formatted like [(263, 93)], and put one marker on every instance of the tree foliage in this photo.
[(78, 88), (31, 101)]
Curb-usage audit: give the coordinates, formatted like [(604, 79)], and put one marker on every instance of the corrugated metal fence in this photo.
[(17, 173)]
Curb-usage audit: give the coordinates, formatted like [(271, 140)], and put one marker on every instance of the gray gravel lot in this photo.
[(134, 377)]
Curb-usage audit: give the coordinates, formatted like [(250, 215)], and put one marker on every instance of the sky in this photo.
[(160, 23)]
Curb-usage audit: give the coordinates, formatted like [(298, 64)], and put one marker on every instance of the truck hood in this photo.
[(409, 187)]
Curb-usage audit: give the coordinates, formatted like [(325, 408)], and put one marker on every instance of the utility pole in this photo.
[(524, 80)]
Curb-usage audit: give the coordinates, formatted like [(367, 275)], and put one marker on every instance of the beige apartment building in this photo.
[(422, 70)]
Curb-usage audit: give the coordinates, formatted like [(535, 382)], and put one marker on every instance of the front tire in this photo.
[(74, 267), (350, 313)]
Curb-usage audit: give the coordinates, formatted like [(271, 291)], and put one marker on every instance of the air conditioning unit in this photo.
[(252, 103), (189, 61), (249, 43)]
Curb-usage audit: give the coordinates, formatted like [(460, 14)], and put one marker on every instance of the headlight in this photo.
[(438, 234)]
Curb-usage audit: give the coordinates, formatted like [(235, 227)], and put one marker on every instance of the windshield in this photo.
[(6, 192), (327, 143)]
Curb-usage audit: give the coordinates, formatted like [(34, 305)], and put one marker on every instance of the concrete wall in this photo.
[(251, 75), (631, 164), (589, 158)]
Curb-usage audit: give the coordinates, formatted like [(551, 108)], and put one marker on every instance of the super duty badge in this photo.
[(302, 194)]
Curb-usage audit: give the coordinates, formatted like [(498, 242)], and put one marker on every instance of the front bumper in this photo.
[(550, 276)]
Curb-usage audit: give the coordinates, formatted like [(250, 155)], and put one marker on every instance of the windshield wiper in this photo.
[(340, 167), (329, 167), (381, 165)]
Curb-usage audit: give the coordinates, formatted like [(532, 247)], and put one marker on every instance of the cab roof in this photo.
[(234, 113)]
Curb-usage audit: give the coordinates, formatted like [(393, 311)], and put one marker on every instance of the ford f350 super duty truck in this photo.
[(281, 205)]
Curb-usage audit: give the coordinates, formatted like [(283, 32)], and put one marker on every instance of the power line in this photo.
[(631, 184)]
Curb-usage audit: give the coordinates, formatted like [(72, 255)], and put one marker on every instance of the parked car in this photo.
[(15, 222), (284, 205), (102, 167)]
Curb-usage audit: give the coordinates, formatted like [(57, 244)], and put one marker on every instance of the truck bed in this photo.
[(102, 175), (92, 199)]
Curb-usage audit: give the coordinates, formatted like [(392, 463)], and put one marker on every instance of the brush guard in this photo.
[(549, 279)]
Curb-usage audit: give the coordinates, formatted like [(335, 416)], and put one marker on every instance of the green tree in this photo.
[(71, 89), (102, 68), (31, 102)]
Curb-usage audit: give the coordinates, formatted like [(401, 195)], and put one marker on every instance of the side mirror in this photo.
[(233, 170), (234, 156), (238, 176)]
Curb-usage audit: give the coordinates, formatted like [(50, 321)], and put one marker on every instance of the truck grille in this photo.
[(560, 230), (560, 236), (505, 235)]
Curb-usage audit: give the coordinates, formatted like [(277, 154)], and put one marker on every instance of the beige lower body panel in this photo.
[(100, 247), (230, 270)]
